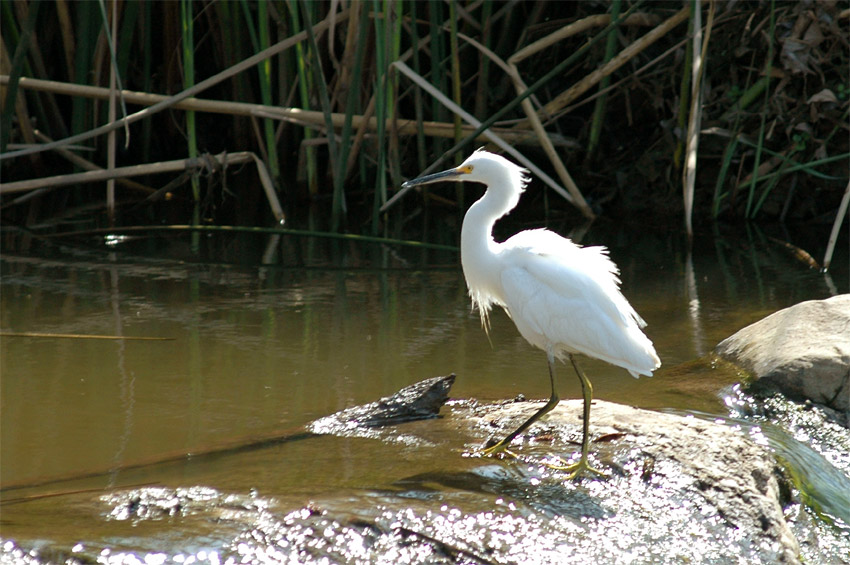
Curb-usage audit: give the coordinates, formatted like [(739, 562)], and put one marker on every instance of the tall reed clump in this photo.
[(187, 21), (315, 92)]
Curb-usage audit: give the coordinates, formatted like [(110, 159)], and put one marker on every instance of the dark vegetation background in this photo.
[(774, 114)]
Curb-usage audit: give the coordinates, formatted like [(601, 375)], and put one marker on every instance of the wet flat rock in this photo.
[(678, 489), (671, 475), (803, 351)]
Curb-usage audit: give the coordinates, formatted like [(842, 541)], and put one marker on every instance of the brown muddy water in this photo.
[(266, 335)]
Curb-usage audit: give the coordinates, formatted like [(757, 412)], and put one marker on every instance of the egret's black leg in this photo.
[(553, 401)]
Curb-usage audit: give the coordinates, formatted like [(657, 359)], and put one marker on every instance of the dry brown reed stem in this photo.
[(570, 30), (542, 136), (278, 47), (532, 116), (67, 29), (113, 103), (27, 130), (575, 197), (468, 118), (83, 336), (360, 135), (21, 111), (836, 227), (370, 123), (89, 166), (549, 148), (101, 175), (344, 70), (618, 61), (537, 126)]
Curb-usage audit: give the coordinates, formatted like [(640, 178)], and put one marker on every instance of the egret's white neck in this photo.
[(476, 235), (477, 246), (479, 251), (477, 230)]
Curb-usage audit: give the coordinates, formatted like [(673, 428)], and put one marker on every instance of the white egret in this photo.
[(563, 298)]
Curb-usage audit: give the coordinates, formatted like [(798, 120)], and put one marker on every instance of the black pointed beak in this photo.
[(450, 175)]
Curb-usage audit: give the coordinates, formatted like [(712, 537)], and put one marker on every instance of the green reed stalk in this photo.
[(231, 49), (482, 93), (88, 28), (684, 95), (748, 213), (188, 27), (455, 66), (599, 106), (770, 185), (265, 72), (456, 96), (419, 115), (748, 97), (129, 21), (260, 42), (438, 112), (112, 57), (728, 154), (336, 166), (807, 167), (381, 67), (338, 204), (18, 62), (304, 86), (418, 109), (792, 164), (44, 107), (147, 81), (394, 13), (787, 165)]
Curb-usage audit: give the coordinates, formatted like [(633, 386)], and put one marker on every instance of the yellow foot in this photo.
[(573, 470), (497, 449)]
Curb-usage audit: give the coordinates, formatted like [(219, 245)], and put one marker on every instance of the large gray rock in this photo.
[(671, 478), (802, 351), (678, 489)]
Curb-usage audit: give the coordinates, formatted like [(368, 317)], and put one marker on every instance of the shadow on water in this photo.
[(272, 332)]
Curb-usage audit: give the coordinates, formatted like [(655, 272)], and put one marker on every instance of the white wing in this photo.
[(566, 298)]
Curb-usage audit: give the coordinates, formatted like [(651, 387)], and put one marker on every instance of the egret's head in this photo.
[(492, 170)]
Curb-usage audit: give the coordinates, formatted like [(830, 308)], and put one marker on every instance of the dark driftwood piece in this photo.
[(419, 401)]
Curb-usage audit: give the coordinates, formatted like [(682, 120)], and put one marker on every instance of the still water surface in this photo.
[(254, 348)]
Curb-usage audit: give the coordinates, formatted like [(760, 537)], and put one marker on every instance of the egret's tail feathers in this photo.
[(648, 365)]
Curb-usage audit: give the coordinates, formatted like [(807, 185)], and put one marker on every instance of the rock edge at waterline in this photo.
[(802, 351)]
